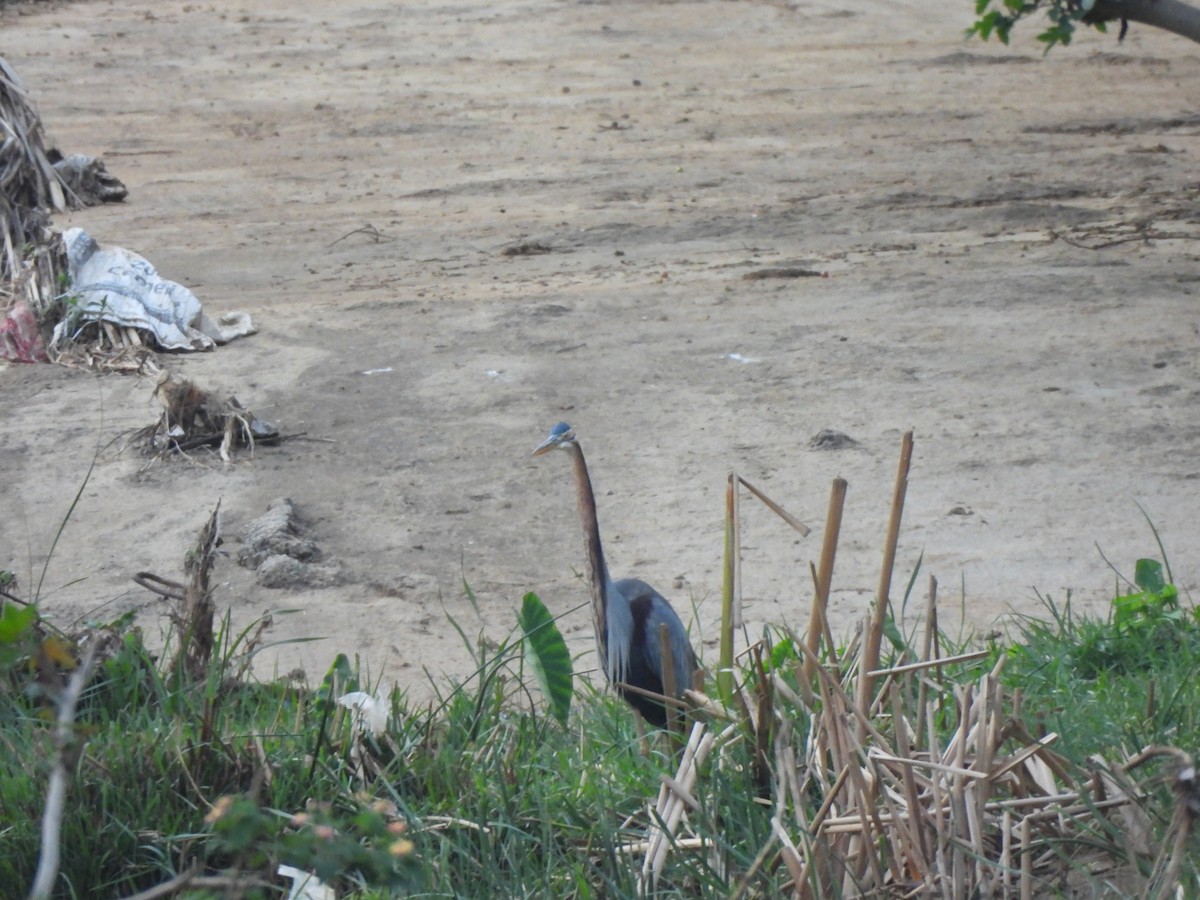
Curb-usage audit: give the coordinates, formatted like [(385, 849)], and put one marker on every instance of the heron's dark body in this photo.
[(650, 609)]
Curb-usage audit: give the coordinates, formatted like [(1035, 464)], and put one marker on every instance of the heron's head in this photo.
[(561, 436)]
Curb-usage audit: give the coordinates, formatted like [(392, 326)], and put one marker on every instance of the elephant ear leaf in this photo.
[(546, 653)]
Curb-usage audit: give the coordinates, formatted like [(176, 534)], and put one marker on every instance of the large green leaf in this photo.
[(1148, 575), (15, 621), (546, 653)]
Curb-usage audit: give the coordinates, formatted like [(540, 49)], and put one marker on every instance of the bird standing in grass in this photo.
[(628, 615)]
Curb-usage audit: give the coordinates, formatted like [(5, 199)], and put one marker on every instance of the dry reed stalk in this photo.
[(730, 590), (731, 585), (775, 507), (817, 860), (904, 748), (927, 653), (831, 650), (791, 857), (1026, 851), (638, 848), (674, 796), (736, 558), (818, 623), (764, 722), (870, 655), (932, 663)]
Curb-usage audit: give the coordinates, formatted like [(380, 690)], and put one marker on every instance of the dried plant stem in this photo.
[(932, 663), (730, 591), (674, 797), (870, 656), (56, 791), (775, 507), (818, 624), (927, 653)]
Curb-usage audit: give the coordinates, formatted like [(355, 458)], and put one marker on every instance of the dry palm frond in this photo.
[(29, 187)]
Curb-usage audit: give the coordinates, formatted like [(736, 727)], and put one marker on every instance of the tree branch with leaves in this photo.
[(1063, 17)]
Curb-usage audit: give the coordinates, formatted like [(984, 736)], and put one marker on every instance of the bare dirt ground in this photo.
[(1010, 243)]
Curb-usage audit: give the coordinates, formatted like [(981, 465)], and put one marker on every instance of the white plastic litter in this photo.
[(119, 286), (306, 885), (370, 713)]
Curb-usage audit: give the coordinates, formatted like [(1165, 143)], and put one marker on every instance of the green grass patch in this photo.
[(209, 779)]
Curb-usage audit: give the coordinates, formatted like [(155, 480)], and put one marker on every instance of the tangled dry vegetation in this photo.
[(909, 781), (885, 802), (31, 261), (36, 181)]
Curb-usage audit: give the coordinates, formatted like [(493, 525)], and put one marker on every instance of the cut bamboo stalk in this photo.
[(1026, 861), (729, 590), (833, 525), (831, 652), (870, 656)]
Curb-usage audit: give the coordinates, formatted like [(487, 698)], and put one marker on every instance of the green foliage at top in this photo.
[(1062, 17)]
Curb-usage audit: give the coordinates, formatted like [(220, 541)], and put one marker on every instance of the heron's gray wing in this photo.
[(651, 611)]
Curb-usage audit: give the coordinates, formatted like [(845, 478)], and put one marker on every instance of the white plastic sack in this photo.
[(119, 286)]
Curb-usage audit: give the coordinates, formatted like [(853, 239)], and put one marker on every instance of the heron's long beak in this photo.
[(546, 446)]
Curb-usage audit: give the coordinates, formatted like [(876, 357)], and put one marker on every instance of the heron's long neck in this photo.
[(597, 572)]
